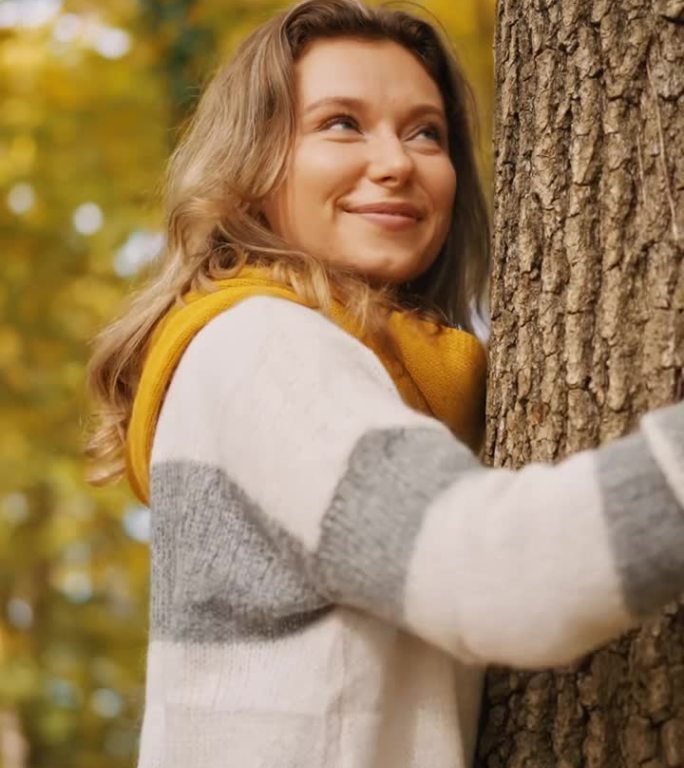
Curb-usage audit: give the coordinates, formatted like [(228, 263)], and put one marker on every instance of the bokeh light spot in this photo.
[(19, 613), (88, 218), (136, 523), (21, 198), (106, 702), (111, 42)]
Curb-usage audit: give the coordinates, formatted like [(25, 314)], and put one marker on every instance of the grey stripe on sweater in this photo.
[(369, 530), (222, 570), (645, 524)]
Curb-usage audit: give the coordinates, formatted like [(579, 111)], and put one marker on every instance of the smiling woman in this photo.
[(330, 107), (331, 566)]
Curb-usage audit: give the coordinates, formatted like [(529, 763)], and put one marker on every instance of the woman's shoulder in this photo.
[(262, 316), (271, 371), (266, 334)]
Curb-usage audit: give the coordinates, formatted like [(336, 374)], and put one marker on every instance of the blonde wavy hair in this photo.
[(233, 153)]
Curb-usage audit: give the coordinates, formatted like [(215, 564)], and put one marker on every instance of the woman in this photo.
[(331, 567)]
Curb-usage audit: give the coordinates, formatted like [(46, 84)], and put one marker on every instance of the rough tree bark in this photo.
[(588, 328)]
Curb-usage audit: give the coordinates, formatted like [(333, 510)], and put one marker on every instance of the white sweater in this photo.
[(332, 570)]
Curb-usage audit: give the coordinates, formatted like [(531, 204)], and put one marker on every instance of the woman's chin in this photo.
[(396, 273), (390, 269)]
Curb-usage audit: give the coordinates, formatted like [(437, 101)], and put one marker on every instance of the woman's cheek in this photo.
[(333, 163), (441, 178)]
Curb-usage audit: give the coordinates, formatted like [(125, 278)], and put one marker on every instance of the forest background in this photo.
[(93, 96)]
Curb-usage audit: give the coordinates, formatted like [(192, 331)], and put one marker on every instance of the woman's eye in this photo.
[(341, 121), (432, 132)]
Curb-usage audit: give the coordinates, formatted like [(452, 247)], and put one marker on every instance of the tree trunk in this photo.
[(587, 328)]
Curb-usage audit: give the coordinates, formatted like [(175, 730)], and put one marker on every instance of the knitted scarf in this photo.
[(441, 374)]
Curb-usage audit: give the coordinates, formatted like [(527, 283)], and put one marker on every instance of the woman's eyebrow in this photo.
[(341, 101), (350, 102)]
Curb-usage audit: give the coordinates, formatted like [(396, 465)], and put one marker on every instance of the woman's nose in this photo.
[(388, 161)]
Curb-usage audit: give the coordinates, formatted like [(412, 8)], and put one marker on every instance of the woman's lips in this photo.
[(395, 215), (391, 221)]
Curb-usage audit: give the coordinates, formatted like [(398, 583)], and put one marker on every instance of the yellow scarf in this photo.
[(441, 374)]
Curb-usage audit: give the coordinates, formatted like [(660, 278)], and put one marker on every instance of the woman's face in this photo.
[(370, 183)]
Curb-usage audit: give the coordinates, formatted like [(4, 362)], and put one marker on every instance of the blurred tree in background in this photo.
[(94, 93)]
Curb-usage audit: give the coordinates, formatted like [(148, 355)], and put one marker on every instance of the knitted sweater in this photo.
[(332, 570)]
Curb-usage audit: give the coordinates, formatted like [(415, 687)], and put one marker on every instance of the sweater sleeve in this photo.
[(397, 518)]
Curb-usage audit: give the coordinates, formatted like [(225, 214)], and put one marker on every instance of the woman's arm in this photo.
[(526, 568)]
